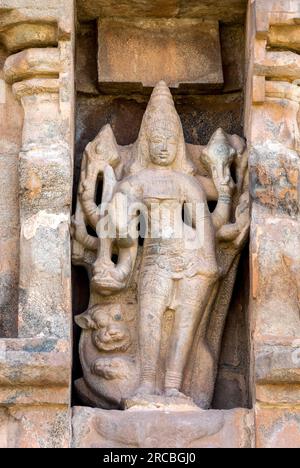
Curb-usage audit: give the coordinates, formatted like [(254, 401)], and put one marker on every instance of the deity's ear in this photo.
[(238, 143), (85, 321), (130, 313)]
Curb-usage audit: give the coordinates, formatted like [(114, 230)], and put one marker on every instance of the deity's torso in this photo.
[(169, 242)]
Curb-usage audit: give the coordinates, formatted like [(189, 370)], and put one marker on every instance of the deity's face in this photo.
[(163, 145)]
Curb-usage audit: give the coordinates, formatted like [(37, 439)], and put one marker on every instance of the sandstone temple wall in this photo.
[(65, 74)]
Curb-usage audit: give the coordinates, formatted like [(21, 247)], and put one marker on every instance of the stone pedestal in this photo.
[(164, 428)]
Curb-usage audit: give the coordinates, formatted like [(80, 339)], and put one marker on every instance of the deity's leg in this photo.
[(192, 297), (153, 302)]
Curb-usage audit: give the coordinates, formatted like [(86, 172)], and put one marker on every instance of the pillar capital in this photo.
[(27, 23), (33, 63), (23, 35), (35, 86)]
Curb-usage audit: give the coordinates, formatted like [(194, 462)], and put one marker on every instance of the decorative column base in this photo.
[(94, 428), (34, 393)]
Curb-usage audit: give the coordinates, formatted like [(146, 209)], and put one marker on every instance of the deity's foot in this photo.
[(145, 389), (175, 393), (172, 399)]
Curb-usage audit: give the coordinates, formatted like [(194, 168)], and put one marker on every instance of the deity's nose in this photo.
[(221, 172)]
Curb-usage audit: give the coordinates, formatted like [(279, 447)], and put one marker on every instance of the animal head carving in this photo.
[(110, 332), (110, 369), (218, 155)]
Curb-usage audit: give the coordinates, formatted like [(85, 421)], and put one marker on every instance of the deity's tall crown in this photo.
[(160, 113)]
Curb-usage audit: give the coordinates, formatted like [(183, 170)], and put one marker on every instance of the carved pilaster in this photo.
[(273, 136), (45, 196), (11, 120), (42, 80)]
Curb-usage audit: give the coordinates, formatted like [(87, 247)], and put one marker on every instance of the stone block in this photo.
[(86, 59), (34, 372), (35, 427), (31, 63), (278, 363), (274, 173), (278, 394), (57, 15), (284, 66), (34, 362), (285, 36), (232, 38), (22, 36), (227, 11), (94, 428), (183, 52), (277, 427)]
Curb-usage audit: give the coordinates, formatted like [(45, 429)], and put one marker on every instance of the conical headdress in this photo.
[(160, 113), (161, 108)]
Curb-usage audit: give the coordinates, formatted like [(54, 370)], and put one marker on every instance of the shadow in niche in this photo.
[(80, 298), (232, 385)]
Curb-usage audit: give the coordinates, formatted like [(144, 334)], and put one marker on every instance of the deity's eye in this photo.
[(156, 140), (118, 317)]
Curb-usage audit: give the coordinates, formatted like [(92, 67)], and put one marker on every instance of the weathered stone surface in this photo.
[(279, 65), (11, 120), (22, 12), (180, 359), (277, 427), (272, 127), (35, 427), (94, 428), (44, 184), (232, 38), (278, 363), (22, 36), (287, 395), (275, 12), (36, 373), (31, 63), (182, 52), (286, 36), (34, 393), (86, 59), (232, 384), (275, 177), (34, 362), (36, 173), (227, 10)]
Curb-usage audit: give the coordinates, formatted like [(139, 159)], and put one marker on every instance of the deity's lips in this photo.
[(221, 174)]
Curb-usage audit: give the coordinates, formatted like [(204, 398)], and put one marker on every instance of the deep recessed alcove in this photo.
[(201, 112)]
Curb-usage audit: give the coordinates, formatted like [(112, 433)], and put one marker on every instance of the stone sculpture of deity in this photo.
[(155, 322)]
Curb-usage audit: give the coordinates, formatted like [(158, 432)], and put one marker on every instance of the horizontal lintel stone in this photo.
[(228, 11), (186, 53)]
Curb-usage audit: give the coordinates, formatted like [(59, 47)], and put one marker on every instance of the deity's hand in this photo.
[(226, 189), (236, 234), (205, 266), (109, 279)]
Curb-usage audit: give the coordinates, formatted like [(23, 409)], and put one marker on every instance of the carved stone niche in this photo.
[(151, 336), (185, 52), (187, 43)]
